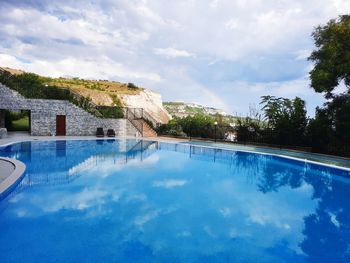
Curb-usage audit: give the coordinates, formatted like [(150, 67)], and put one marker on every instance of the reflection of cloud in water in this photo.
[(235, 202), (135, 197), (88, 197), (141, 220), (21, 213), (52, 202), (184, 234), (279, 213), (256, 206), (334, 220), (169, 183), (105, 166), (226, 211), (150, 160)]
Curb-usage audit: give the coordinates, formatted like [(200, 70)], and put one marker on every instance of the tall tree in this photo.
[(330, 129), (332, 56), (287, 118)]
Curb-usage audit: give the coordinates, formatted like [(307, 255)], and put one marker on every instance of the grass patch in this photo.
[(20, 124), (98, 85)]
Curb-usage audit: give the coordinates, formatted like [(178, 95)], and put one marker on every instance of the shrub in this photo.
[(132, 86)]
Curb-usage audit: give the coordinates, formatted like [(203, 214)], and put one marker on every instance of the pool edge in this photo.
[(183, 143), (11, 181)]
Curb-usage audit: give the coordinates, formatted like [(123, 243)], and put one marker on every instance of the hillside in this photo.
[(108, 93), (181, 109)]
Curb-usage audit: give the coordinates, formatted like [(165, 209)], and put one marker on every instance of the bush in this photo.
[(132, 86), (111, 112)]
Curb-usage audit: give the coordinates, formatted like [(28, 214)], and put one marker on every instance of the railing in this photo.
[(135, 117), (230, 134), (151, 120)]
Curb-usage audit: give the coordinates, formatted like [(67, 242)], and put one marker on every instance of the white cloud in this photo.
[(128, 41), (143, 10), (34, 23), (232, 24), (302, 54), (342, 5), (172, 52), (102, 68), (214, 3)]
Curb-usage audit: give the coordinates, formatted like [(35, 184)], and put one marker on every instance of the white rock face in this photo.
[(182, 109), (151, 102)]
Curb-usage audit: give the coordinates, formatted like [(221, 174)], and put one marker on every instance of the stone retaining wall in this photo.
[(43, 116)]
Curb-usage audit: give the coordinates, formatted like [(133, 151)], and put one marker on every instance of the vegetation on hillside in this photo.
[(78, 85), (199, 125), (33, 86), (173, 103), (101, 92), (283, 121), (181, 109)]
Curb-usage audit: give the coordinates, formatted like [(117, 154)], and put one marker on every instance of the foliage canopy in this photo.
[(331, 56)]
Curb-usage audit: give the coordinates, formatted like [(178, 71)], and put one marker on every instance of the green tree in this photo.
[(332, 56), (320, 131), (330, 128), (298, 119), (199, 125), (287, 118)]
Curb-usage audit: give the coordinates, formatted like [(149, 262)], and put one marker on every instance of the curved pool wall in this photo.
[(322, 159), (11, 171), (206, 151), (145, 201)]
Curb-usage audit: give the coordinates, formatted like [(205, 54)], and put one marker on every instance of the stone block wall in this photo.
[(43, 116), (131, 130)]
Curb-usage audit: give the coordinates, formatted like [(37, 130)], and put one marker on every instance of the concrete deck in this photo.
[(14, 137), (6, 169), (11, 171)]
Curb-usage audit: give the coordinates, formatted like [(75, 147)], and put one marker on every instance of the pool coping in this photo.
[(12, 179), (183, 142), (284, 154), (257, 152), (277, 155)]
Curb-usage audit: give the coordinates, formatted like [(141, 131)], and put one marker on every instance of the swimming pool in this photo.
[(144, 201)]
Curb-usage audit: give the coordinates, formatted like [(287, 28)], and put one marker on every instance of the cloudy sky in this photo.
[(221, 53)]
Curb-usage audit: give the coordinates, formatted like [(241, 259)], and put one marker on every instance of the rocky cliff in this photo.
[(181, 109), (150, 101)]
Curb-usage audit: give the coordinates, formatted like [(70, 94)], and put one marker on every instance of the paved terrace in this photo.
[(6, 168), (10, 173)]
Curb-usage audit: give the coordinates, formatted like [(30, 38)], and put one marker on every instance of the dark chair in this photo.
[(100, 132), (110, 133)]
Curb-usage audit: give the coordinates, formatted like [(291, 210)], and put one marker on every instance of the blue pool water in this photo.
[(142, 201)]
